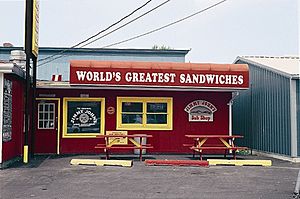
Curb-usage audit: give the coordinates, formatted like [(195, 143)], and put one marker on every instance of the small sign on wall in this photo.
[(7, 111), (110, 110), (117, 140), (200, 111)]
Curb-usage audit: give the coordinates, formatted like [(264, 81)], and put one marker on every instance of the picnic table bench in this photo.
[(225, 142), (113, 142)]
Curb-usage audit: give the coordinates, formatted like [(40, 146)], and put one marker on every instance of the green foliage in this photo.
[(244, 152)]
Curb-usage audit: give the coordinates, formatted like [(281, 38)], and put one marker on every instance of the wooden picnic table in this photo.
[(224, 142), (112, 142)]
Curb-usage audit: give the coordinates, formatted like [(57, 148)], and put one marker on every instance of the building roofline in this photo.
[(45, 84), (185, 66), (272, 57), (293, 76), (12, 69), (104, 50)]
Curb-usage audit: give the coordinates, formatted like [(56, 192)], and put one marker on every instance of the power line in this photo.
[(125, 24), (152, 31), (95, 35), (62, 52), (165, 26)]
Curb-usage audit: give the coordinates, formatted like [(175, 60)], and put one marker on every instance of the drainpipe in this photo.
[(234, 95), (293, 115)]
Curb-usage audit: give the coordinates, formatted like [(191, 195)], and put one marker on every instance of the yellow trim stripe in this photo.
[(58, 127), (265, 163), (123, 163)]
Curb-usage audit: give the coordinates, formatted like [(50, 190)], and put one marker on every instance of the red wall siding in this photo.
[(163, 141), (13, 148)]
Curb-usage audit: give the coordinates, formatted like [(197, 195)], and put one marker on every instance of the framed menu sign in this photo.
[(7, 111), (83, 117)]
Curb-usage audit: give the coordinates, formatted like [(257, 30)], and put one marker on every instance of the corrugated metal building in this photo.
[(268, 114), (46, 68)]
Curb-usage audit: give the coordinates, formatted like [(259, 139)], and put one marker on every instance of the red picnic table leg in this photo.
[(195, 145), (106, 153), (141, 150), (234, 154), (106, 149), (200, 153), (141, 157), (225, 154)]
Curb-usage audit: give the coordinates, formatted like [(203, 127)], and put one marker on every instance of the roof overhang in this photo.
[(66, 85), (6, 67), (260, 65), (158, 75), (11, 68)]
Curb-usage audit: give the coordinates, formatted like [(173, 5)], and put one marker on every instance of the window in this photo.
[(83, 117), (144, 113), (46, 115)]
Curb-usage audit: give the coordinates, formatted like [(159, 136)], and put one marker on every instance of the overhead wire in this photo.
[(165, 26), (126, 23), (60, 55), (98, 33), (152, 31)]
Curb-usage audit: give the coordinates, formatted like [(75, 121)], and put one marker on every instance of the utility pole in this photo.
[(31, 50)]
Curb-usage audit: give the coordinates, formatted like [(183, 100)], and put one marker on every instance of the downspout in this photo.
[(293, 115), (234, 95)]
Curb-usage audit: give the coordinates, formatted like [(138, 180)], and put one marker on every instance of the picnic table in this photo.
[(222, 142), (113, 142)]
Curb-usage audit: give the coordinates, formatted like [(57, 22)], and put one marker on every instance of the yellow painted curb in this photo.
[(123, 163), (265, 163)]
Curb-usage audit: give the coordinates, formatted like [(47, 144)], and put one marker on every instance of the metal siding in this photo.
[(298, 114), (62, 65), (5, 55), (267, 128)]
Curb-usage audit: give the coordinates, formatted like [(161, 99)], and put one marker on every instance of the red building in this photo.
[(166, 100), (11, 112)]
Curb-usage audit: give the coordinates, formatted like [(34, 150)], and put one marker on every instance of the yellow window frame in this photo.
[(65, 117), (144, 125)]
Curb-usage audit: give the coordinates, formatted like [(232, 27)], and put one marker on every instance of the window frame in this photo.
[(65, 117), (48, 119), (144, 125)]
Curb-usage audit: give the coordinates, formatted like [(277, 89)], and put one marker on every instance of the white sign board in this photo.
[(200, 111)]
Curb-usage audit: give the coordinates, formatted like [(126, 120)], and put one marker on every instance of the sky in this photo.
[(219, 35)]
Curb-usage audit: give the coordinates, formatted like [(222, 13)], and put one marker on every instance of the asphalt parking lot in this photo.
[(54, 177)]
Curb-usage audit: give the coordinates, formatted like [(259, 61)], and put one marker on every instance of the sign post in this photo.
[(31, 50)]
